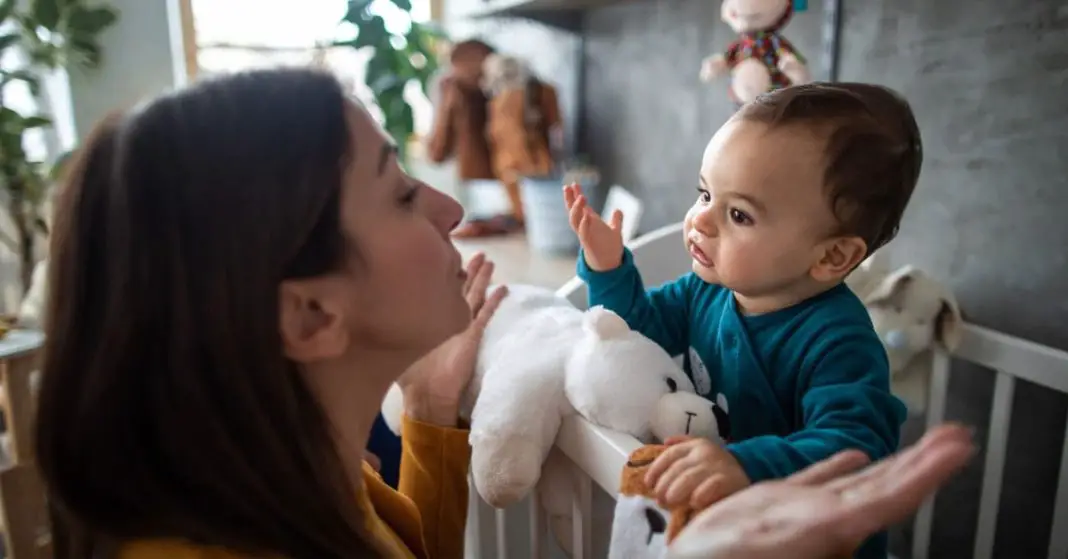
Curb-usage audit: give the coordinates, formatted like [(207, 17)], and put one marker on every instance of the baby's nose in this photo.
[(705, 222)]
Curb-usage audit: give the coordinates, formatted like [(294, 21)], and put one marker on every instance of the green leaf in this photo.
[(8, 40), (358, 11), (405, 5), (372, 33), (84, 20), (46, 13), (37, 121), (7, 7), (87, 51)]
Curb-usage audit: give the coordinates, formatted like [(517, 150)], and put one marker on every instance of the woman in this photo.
[(238, 273)]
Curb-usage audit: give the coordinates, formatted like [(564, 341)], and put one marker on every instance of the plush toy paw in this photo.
[(505, 475), (794, 69), (713, 67)]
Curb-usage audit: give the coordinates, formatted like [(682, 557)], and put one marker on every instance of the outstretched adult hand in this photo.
[(433, 386), (829, 509)]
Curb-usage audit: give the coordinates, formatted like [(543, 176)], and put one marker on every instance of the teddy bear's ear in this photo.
[(605, 324), (949, 324), (891, 285)]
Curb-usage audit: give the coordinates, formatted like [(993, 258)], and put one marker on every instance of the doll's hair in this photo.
[(873, 150), (470, 47)]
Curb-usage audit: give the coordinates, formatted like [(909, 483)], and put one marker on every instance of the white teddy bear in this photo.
[(913, 314), (541, 360)]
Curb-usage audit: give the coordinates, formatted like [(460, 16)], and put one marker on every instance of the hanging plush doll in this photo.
[(760, 59)]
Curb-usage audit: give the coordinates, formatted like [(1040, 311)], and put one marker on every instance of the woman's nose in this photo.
[(447, 212)]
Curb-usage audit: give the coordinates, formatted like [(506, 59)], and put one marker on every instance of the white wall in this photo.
[(142, 56)]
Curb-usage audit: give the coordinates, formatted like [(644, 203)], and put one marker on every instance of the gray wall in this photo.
[(987, 79)]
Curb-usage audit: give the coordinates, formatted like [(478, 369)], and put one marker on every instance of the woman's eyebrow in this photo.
[(388, 149)]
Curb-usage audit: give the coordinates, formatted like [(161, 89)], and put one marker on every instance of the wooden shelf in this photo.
[(564, 14)]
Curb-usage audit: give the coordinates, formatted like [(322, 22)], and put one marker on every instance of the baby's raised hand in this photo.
[(602, 243), (695, 472)]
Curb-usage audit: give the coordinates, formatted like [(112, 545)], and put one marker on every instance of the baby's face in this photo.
[(761, 217)]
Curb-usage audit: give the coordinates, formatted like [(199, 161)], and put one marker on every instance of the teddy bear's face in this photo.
[(618, 378), (903, 334), (746, 16)]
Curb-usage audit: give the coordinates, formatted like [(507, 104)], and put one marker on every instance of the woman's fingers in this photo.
[(485, 313), (907, 459), (476, 295), (472, 268), (890, 499), (834, 467)]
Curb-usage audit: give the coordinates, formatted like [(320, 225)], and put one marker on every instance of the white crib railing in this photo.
[(598, 455)]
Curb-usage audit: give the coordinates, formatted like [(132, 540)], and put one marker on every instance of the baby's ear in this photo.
[(837, 257)]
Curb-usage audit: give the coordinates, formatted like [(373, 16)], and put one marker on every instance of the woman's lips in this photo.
[(699, 255)]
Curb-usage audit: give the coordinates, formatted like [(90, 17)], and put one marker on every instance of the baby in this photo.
[(795, 190)]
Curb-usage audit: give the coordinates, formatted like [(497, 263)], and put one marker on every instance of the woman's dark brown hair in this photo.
[(167, 408)]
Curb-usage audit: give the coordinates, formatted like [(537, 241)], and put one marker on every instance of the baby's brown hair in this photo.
[(873, 151)]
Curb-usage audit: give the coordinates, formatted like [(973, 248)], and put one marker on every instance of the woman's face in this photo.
[(398, 294)]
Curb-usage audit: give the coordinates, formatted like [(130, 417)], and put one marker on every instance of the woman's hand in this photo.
[(821, 511), (433, 386)]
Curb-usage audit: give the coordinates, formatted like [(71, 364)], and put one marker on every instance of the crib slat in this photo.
[(936, 414), (502, 533), (537, 527), (581, 515), (994, 465), (1058, 542), (476, 545)]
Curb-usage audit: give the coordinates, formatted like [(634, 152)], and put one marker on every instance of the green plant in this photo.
[(51, 34), (398, 58)]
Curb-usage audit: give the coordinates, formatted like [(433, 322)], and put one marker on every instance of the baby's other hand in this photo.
[(694, 472), (602, 243)]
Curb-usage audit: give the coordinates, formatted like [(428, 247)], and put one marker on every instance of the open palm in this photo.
[(433, 386), (828, 509), (602, 242)]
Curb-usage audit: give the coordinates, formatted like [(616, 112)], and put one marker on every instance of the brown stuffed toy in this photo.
[(524, 117), (641, 529)]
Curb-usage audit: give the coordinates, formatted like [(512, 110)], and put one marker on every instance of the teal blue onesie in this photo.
[(792, 387)]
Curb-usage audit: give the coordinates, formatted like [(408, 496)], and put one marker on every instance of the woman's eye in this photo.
[(410, 195), (740, 217), (703, 195)]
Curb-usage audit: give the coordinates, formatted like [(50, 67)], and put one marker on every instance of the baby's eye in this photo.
[(740, 217), (704, 196)]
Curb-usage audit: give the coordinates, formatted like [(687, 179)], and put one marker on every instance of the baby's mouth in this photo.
[(699, 255)]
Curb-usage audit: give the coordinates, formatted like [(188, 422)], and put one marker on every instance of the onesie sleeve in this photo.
[(845, 403), (660, 314), (433, 474)]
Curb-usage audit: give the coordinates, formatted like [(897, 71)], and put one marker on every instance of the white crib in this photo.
[(597, 455)]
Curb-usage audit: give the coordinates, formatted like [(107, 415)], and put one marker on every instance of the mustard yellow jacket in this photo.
[(425, 519)]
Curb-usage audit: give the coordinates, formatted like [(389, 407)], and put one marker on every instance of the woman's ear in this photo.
[(311, 329)]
